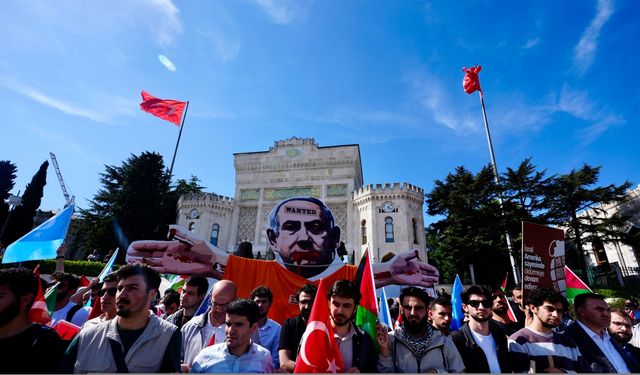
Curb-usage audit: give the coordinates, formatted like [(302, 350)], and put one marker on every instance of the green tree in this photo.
[(7, 182), (21, 220), (471, 228), (575, 202)]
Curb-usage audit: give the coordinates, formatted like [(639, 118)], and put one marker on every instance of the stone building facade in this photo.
[(387, 218)]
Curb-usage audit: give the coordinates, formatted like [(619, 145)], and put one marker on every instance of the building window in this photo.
[(215, 231), (415, 231), (192, 226), (363, 231), (388, 229)]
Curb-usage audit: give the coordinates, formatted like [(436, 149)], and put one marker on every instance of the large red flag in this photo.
[(471, 81), (319, 352), (39, 313), (166, 109)]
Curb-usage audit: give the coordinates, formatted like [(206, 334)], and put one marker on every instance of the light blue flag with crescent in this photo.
[(42, 242), (457, 315), (109, 266), (384, 315)]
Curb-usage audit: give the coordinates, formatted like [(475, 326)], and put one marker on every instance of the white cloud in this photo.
[(225, 47), (531, 43), (584, 51), (164, 60), (284, 12), (64, 142), (169, 25)]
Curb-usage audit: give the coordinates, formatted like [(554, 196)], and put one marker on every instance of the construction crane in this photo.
[(70, 199)]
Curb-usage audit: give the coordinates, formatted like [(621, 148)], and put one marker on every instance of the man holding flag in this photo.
[(26, 347)]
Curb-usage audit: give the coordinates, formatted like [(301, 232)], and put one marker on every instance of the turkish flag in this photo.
[(166, 109), (39, 313), (471, 81), (84, 281), (319, 352)]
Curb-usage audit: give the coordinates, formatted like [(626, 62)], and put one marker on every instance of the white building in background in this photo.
[(386, 218)]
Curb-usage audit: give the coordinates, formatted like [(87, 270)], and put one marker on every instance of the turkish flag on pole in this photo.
[(166, 109), (39, 313), (471, 81), (319, 352)]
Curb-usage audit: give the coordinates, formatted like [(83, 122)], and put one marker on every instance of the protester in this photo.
[(483, 347), (107, 295), (416, 346), (589, 331), (357, 348), (440, 314), (25, 347), (268, 333), (170, 303), (237, 354), (293, 328), (500, 310), (209, 328), (194, 291), (518, 305), (64, 308), (551, 351), (94, 256), (136, 340), (620, 331), (632, 310)]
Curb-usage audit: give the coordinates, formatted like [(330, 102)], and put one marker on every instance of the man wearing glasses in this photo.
[(620, 331), (209, 328), (107, 296), (482, 346)]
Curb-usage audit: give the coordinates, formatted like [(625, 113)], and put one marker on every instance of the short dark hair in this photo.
[(306, 288), (481, 290), (72, 281), (244, 307), (414, 291), (171, 298), (538, 296), (621, 313), (442, 301), (200, 282), (581, 299), (97, 286), (344, 289), (151, 276), (261, 291), (20, 282), (517, 287), (113, 276)]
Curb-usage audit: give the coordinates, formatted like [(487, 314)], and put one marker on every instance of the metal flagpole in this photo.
[(184, 115), (497, 180)]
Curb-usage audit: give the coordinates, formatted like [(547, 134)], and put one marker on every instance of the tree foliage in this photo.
[(7, 182)]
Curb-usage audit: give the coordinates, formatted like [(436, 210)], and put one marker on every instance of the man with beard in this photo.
[(589, 331), (64, 308), (268, 333), (482, 346), (209, 328), (620, 331), (136, 340), (500, 309), (551, 351), (517, 305), (293, 328), (440, 313), (26, 347), (416, 346), (193, 293), (356, 347), (237, 354), (107, 295)]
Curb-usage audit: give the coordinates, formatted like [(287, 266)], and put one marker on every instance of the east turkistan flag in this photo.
[(42, 242), (457, 315)]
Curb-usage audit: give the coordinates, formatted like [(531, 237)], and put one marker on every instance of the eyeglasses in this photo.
[(476, 303), (110, 291), (621, 324), (220, 305)]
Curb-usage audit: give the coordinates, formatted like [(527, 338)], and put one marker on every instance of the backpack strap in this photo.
[(118, 356), (72, 311)]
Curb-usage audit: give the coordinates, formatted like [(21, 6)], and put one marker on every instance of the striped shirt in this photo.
[(547, 350)]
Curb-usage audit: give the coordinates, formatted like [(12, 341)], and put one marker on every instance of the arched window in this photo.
[(215, 231), (388, 229), (192, 226), (415, 231), (363, 231)]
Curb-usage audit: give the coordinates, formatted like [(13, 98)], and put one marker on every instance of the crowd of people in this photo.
[(140, 331)]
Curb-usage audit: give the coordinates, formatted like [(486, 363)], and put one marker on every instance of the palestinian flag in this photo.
[(50, 297), (575, 286), (367, 312), (39, 311), (177, 282)]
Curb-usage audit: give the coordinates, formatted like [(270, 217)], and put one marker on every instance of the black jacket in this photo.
[(365, 355), (472, 354)]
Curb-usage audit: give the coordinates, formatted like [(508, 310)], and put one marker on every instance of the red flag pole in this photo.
[(497, 181), (184, 114)]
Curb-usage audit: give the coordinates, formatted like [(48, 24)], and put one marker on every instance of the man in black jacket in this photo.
[(483, 347), (356, 347), (620, 330)]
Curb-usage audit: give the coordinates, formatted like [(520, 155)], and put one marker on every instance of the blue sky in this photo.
[(558, 81)]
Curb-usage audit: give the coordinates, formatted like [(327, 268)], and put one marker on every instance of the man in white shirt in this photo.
[(64, 308), (589, 332)]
